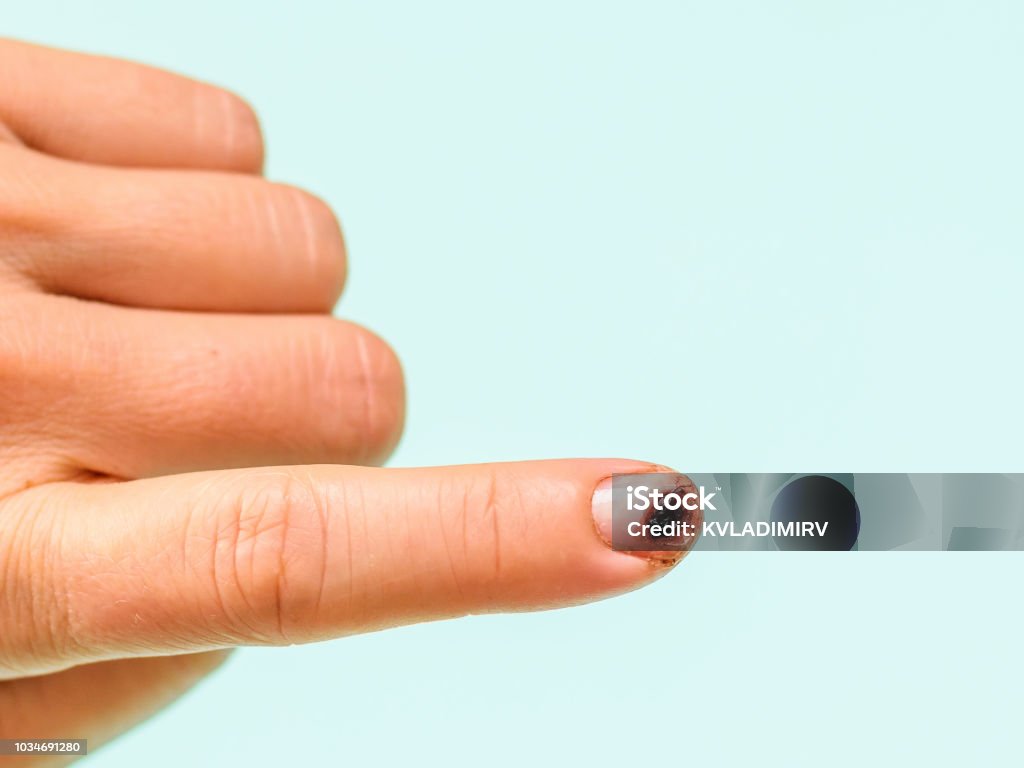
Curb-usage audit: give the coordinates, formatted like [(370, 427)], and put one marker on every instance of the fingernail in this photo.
[(601, 505), (681, 525)]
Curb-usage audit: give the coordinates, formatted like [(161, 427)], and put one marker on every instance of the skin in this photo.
[(188, 437)]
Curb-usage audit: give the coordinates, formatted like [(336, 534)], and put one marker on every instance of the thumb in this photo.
[(296, 554)]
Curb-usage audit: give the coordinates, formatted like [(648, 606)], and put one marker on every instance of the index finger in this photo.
[(298, 554)]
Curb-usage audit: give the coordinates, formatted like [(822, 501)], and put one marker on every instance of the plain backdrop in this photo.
[(726, 236)]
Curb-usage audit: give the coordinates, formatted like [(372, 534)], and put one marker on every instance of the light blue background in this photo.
[(726, 236)]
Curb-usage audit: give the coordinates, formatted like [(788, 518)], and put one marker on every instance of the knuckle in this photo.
[(356, 390), (380, 385), (319, 236), (322, 228), (244, 146), (314, 214), (267, 573), (315, 207)]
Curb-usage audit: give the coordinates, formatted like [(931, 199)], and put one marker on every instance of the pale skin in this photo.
[(188, 438)]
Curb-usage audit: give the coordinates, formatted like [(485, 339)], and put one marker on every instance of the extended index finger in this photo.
[(297, 554)]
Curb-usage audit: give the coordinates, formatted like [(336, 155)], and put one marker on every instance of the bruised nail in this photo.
[(656, 515)]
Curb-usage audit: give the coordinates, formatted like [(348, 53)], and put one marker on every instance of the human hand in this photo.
[(185, 429)]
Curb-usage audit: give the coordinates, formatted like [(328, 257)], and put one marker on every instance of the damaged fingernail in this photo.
[(653, 515), (601, 506)]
